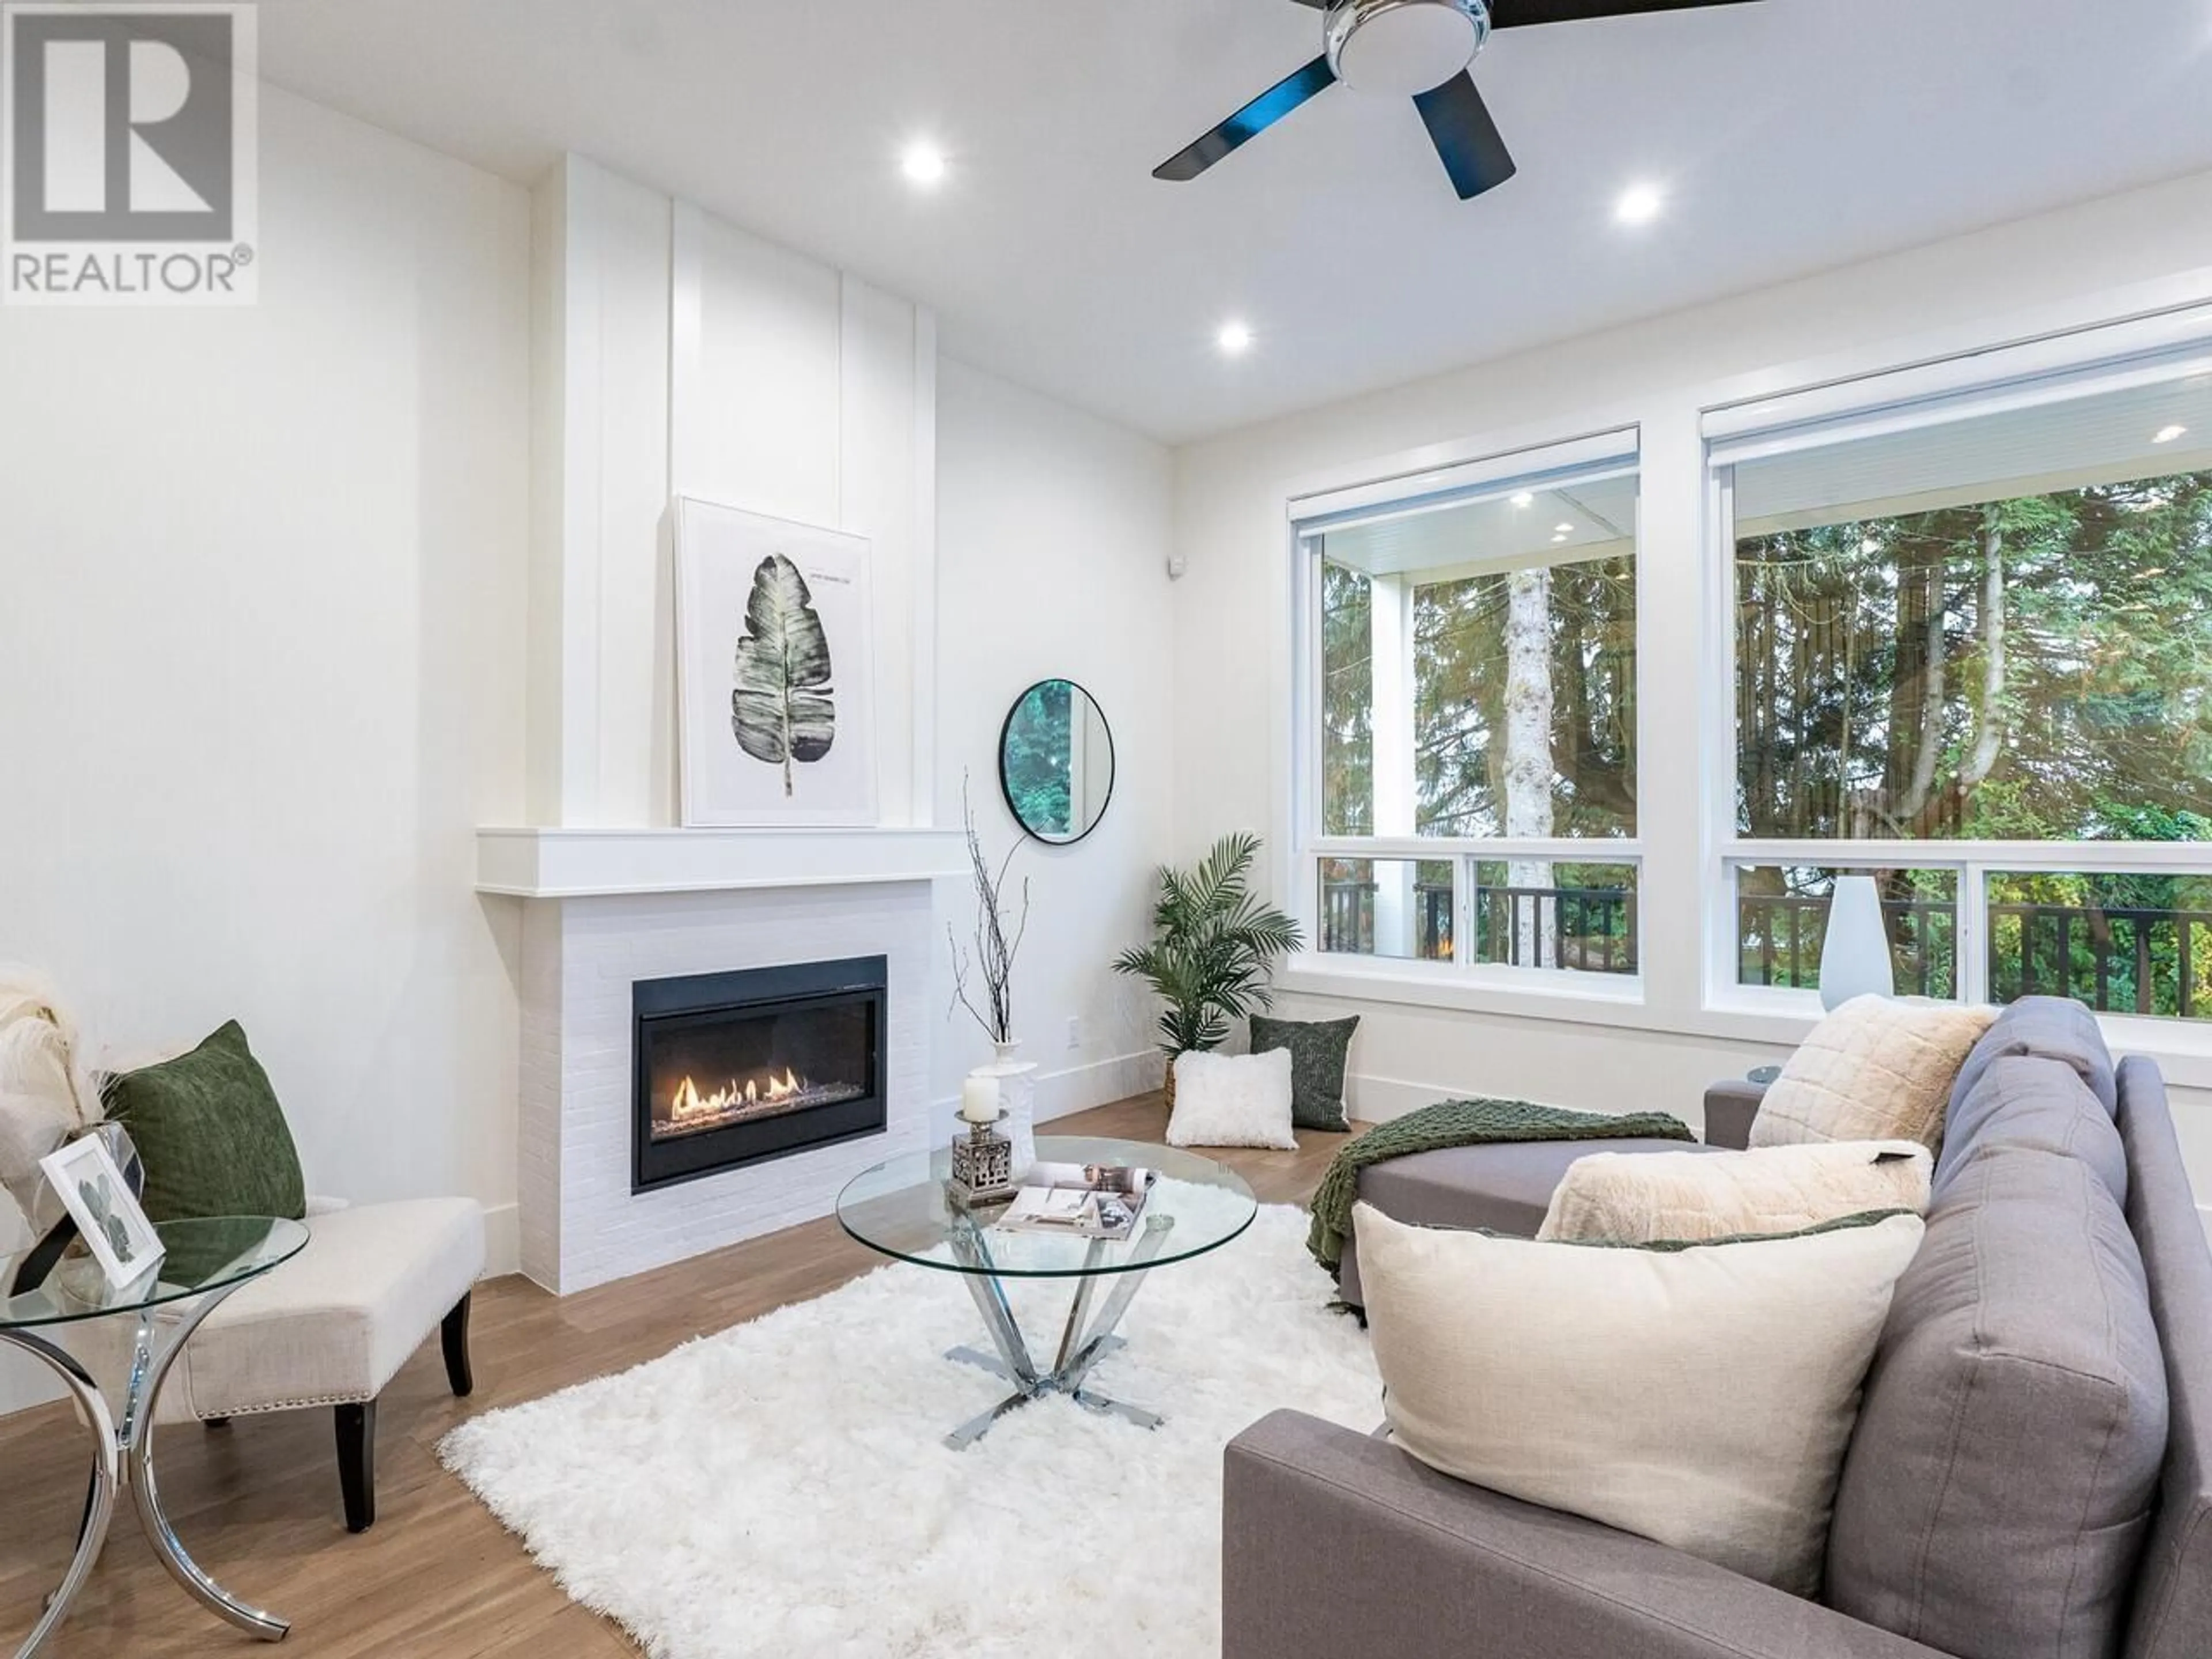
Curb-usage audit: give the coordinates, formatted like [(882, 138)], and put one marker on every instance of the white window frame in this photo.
[(2081, 364), (1613, 452)]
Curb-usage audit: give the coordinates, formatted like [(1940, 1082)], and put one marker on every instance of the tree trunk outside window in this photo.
[(1528, 755)]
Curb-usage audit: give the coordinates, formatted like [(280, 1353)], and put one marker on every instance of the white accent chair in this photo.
[(329, 1329)]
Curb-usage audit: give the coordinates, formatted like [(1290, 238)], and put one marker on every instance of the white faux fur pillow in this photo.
[(1641, 1198), (1568, 1375), (1874, 1070), (1232, 1100)]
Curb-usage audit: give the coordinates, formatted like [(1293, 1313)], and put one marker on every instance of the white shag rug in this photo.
[(783, 1487)]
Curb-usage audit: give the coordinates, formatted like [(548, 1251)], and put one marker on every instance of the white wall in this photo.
[(679, 354), (1053, 538), (2109, 258), (1014, 539), (261, 647)]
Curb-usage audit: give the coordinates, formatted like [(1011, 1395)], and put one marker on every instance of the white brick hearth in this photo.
[(580, 1225)]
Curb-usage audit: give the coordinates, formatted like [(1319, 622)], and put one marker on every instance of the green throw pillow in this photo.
[(210, 1133), (1318, 1051)]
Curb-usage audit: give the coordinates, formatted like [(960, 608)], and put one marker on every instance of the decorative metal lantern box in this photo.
[(983, 1164)]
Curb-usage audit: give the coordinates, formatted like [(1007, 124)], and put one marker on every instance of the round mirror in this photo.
[(1056, 762)]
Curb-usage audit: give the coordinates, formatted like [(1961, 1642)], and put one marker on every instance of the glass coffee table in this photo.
[(205, 1258), (904, 1209)]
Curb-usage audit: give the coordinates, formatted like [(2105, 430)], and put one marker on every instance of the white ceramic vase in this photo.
[(1017, 1081), (1855, 956)]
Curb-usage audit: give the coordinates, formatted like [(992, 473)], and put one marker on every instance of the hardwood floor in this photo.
[(257, 1502)]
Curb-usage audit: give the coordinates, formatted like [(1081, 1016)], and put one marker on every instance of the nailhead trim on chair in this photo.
[(292, 1406)]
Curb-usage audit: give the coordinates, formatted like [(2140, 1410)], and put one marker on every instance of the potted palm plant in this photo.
[(1214, 949)]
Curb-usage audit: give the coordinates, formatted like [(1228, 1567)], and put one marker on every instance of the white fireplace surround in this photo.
[(606, 909)]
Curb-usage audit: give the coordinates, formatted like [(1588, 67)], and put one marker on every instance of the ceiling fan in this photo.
[(1419, 49)]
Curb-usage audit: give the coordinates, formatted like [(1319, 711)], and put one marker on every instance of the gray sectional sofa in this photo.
[(2030, 1473)]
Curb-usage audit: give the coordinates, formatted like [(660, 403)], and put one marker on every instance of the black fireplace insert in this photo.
[(737, 1067)]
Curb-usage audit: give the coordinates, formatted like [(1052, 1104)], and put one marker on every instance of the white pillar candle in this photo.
[(978, 1100)]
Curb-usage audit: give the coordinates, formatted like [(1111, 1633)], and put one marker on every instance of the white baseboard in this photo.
[(502, 1240), (24, 1383), (1379, 1099), (1079, 1088)]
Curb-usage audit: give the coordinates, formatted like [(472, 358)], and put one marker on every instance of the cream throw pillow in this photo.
[(1232, 1100), (1637, 1198), (1874, 1070), (38, 1091), (1582, 1377)]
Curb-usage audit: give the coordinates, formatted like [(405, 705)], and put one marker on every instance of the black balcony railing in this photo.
[(2137, 960), (1347, 919), (2133, 960), (1781, 935), (1591, 929)]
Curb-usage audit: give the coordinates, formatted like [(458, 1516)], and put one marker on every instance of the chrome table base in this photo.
[(123, 1455), (1084, 1341)]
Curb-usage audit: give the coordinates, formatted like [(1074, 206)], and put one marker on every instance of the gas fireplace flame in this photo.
[(689, 1104)]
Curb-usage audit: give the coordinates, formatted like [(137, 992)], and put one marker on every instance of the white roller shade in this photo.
[(2141, 419), (1602, 455)]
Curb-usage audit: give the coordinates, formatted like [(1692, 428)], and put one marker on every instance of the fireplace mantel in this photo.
[(561, 864)]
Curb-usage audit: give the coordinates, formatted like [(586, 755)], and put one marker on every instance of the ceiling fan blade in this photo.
[(1459, 123), (1519, 13), (1256, 117)]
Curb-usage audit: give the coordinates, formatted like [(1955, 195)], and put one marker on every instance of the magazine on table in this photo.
[(1090, 1200)]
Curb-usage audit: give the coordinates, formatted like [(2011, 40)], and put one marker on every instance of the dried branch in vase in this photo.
[(995, 948)]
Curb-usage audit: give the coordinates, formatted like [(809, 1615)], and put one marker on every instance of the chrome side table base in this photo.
[(1083, 1342), (123, 1455)]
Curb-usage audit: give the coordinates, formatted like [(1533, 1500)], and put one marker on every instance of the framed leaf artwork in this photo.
[(776, 687)]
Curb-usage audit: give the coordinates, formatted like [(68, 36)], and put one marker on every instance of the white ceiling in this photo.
[(1790, 136)]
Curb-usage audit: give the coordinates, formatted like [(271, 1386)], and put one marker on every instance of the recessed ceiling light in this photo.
[(1639, 205), (1524, 500), (923, 163), (1556, 540), (1235, 339), (2167, 434), (1564, 529)]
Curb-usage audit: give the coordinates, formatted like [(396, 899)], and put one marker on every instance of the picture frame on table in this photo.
[(776, 672), (111, 1222)]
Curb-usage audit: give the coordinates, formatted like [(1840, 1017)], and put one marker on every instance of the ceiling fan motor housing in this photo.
[(1404, 47)]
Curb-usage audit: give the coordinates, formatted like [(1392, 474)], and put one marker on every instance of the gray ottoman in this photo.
[(1506, 1188)]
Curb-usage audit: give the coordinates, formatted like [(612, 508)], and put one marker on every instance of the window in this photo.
[(1471, 699), (1973, 654)]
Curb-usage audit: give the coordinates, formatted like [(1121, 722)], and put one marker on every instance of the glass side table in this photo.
[(901, 1209), (205, 1258)]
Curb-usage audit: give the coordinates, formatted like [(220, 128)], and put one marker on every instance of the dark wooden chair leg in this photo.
[(357, 1427), (455, 1334)]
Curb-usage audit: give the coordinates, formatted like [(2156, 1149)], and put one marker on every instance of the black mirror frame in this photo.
[(1113, 757)]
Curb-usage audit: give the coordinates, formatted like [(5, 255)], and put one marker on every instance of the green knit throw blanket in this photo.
[(1459, 1123)]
